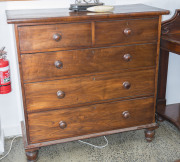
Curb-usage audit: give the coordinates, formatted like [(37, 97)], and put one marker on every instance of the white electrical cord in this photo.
[(9, 148), (100, 147)]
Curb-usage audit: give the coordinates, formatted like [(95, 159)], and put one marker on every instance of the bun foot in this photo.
[(32, 155), (150, 133)]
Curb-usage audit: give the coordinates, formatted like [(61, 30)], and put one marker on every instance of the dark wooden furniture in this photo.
[(170, 42), (85, 74)]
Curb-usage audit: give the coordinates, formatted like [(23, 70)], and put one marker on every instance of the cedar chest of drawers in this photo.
[(85, 74)]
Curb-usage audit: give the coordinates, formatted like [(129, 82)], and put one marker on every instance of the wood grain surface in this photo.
[(42, 36), (43, 95), (44, 126), (109, 32), (81, 35), (78, 62), (64, 15), (170, 42)]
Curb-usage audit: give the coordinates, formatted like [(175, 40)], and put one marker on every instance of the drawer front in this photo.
[(126, 31), (97, 118), (50, 37), (59, 93), (78, 62)]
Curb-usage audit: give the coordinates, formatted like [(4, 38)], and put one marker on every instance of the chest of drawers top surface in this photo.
[(60, 15)]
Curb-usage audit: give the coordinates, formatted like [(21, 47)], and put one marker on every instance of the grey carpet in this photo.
[(123, 147)]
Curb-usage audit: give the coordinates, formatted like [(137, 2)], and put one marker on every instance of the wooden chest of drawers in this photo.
[(85, 74)]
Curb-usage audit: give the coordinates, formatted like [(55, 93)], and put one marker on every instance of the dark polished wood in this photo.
[(162, 80), (57, 37), (32, 155), (106, 32), (37, 145), (43, 95), (44, 126), (62, 124), (126, 114), (170, 42), (85, 74), (74, 35), (77, 62), (64, 15), (127, 31), (171, 113), (172, 25), (150, 133)]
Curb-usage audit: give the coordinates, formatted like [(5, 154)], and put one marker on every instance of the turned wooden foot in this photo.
[(159, 118), (32, 155), (149, 133)]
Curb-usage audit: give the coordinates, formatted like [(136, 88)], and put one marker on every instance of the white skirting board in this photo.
[(12, 131), (1, 141)]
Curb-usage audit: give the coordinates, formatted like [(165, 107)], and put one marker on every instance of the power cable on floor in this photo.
[(100, 147), (9, 148)]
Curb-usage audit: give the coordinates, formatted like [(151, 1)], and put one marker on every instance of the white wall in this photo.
[(1, 140), (11, 104)]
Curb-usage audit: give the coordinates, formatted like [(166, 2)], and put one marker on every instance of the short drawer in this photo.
[(51, 37), (126, 31), (54, 65), (60, 93), (59, 124)]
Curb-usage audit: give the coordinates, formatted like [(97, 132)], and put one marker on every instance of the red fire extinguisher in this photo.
[(5, 83)]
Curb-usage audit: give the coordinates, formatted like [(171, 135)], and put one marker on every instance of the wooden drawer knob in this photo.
[(57, 37), (126, 114), (60, 94), (58, 64), (62, 124), (127, 57), (126, 85), (127, 31)]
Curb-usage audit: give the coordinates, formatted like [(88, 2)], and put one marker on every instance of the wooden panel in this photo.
[(64, 15), (126, 31), (44, 126), (86, 61), (43, 95), (170, 113), (171, 43), (55, 36), (172, 26)]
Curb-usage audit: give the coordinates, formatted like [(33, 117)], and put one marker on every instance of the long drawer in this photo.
[(54, 65), (45, 37), (126, 31), (58, 124), (59, 93)]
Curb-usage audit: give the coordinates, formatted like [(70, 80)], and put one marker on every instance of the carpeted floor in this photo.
[(123, 147)]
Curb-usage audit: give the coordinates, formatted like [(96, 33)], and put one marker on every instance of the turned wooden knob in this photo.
[(127, 57), (62, 124), (126, 114), (126, 85), (57, 37), (58, 64), (60, 94), (127, 31)]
